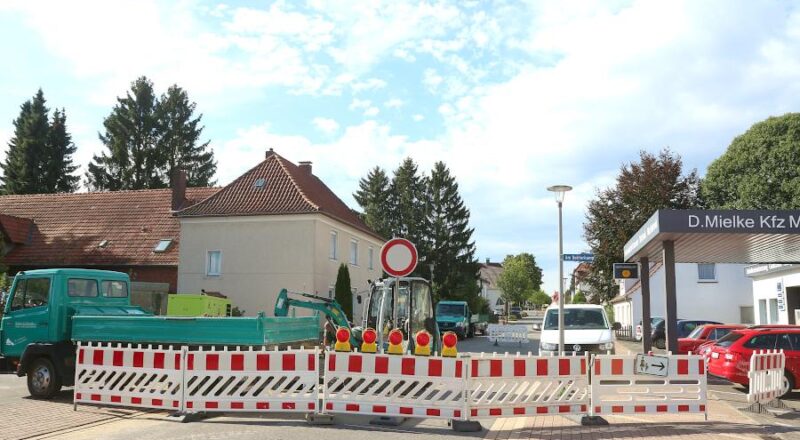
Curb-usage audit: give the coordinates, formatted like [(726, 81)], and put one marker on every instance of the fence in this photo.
[(528, 385), (625, 333), (766, 376), (618, 389), (508, 333)]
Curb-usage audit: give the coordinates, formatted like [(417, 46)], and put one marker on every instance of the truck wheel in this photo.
[(43, 381)]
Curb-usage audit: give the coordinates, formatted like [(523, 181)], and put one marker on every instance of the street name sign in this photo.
[(651, 365), (582, 257)]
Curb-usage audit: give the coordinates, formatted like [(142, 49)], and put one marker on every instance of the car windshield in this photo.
[(576, 319), (450, 310), (729, 339), (695, 334)]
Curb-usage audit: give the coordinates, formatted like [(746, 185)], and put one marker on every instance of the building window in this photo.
[(354, 252), (214, 263), (162, 246), (371, 254), (706, 272), (331, 290), (333, 253)]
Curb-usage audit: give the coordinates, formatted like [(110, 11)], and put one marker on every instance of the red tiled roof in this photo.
[(15, 229), (67, 229), (285, 188)]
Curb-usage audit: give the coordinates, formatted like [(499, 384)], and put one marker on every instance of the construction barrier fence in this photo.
[(508, 333), (458, 388), (766, 376)]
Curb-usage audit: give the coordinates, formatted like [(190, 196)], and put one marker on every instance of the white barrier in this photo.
[(616, 389), (766, 376), (394, 385), (251, 381), (508, 333), (126, 375), (507, 386)]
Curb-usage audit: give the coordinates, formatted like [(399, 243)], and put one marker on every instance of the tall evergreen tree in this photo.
[(409, 204), (343, 291), (147, 138), (180, 139), (449, 237), (39, 157), (373, 197)]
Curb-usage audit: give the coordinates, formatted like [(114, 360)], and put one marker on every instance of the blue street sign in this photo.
[(579, 257)]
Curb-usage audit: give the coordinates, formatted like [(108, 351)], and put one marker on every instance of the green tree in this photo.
[(520, 279), (654, 182), (146, 138), (760, 169), (540, 298), (343, 291), (39, 156), (408, 200), (578, 298), (373, 196), (449, 239)]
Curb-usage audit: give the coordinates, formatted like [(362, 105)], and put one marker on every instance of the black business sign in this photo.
[(626, 271)]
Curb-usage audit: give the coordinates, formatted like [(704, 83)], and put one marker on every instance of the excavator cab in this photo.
[(405, 304)]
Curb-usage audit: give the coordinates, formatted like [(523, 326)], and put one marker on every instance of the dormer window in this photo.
[(259, 183), (162, 246), (103, 244)]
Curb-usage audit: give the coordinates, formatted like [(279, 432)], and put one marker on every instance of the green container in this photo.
[(197, 305)]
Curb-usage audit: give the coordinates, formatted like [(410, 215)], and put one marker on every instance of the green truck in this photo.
[(49, 310), (455, 316)]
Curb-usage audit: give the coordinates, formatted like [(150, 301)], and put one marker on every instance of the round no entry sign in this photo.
[(399, 257)]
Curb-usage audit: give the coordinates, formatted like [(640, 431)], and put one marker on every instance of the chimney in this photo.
[(178, 189), (306, 166), (269, 153)]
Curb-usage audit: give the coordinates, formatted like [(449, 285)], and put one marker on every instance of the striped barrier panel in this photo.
[(766, 376), (508, 333), (251, 381), (127, 375), (395, 385), (508, 386), (617, 389)]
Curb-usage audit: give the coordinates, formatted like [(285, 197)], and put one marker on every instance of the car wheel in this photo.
[(660, 343), (788, 384), (43, 381)]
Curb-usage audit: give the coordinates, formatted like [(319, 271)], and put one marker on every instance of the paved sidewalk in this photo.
[(724, 422)]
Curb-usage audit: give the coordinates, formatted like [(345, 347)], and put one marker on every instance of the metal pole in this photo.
[(644, 272), (561, 282), (671, 324)]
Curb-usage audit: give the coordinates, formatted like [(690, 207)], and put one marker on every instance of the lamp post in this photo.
[(560, 191)]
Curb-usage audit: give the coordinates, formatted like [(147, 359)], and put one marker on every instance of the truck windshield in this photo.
[(450, 310), (576, 319)]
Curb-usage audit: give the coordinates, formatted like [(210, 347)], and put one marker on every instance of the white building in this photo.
[(276, 226), (776, 293), (717, 292), (489, 273)]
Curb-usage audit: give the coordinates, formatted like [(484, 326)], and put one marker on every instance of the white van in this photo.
[(586, 330)]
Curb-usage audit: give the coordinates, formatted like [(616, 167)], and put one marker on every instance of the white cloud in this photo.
[(360, 104), (326, 125), (418, 117), (394, 103), (369, 84), (372, 111)]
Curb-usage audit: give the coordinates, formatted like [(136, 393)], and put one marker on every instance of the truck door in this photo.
[(27, 315), (422, 316)]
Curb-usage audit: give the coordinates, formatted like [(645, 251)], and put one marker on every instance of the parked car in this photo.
[(685, 326), (705, 348), (730, 356), (703, 334), (653, 322), (586, 330), (515, 312)]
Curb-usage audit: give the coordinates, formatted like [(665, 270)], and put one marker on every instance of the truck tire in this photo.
[(43, 380)]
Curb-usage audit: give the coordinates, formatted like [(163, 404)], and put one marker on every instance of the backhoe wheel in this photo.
[(43, 381)]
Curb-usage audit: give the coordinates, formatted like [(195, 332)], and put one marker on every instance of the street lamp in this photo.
[(560, 191)]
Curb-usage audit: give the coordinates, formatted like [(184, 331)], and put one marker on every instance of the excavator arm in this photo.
[(329, 307)]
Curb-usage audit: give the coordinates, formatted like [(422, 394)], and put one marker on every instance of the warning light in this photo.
[(368, 337), (449, 341), (422, 343), (342, 339), (395, 342)]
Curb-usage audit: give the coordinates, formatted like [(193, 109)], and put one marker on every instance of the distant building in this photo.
[(776, 293), (717, 292), (489, 273), (580, 282)]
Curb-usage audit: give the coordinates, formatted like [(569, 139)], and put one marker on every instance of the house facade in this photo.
[(276, 226), (776, 293), (717, 292), (489, 272)]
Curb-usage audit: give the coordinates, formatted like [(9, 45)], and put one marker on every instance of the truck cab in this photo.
[(402, 303), (455, 316), (35, 331)]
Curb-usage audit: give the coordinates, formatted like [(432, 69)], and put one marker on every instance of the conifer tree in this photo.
[(343, 291), (409, 204), (373, 197), (59, 170)]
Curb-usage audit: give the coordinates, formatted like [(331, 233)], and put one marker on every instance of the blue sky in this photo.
[(514, 96)]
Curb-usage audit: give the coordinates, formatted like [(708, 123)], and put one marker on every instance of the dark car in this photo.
[(515, 312), (685, 326)]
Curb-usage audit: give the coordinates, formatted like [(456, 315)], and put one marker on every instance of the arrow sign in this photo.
[(583, 257), (651, 365)]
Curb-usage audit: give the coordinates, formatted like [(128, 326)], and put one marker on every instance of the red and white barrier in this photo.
[(616, 389), (766, 376), (395, 385), (508, 333), (126, 375), (251, 381), (507, 386)]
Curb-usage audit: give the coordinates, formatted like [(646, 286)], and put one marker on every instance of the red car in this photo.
[(730, 356), (704, 334)]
